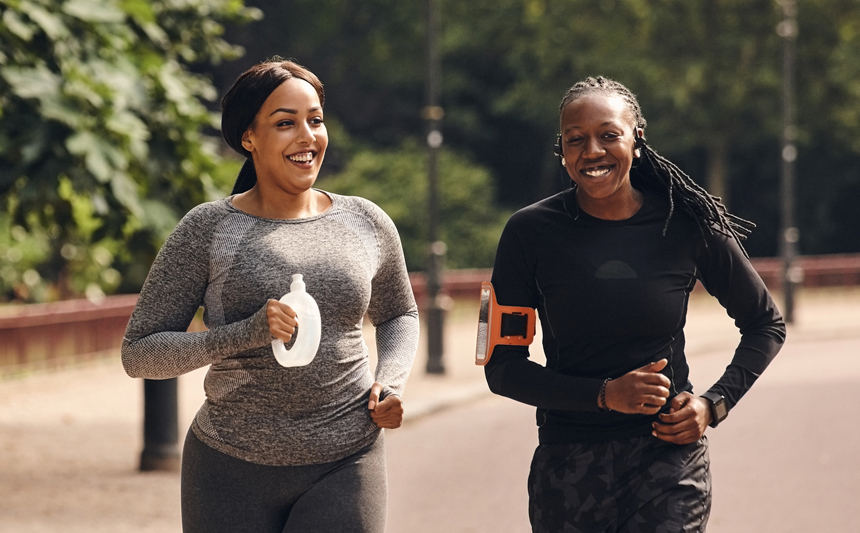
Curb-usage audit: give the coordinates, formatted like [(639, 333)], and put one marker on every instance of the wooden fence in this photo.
[(818, 271), (48, 336)]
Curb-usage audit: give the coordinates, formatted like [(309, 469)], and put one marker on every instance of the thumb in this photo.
[(679, 401), (375, 390), (655, 367), (391, 402)]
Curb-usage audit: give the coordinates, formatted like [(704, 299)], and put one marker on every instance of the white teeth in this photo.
[(597, 172), (302, 158)]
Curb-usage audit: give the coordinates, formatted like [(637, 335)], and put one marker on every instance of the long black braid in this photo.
[(657, 173)]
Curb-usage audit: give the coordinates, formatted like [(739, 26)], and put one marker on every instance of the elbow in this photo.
[(130, 368), (778, 331), (128, 360), (778, 327), (493, 375), (773, 328)]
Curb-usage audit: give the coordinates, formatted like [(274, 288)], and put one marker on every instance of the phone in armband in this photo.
[(501, 324)]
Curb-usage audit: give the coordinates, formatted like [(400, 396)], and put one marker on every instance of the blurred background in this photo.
[(109, 134), (109, 124)]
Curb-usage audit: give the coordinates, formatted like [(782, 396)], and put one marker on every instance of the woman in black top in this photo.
[(609, 264)]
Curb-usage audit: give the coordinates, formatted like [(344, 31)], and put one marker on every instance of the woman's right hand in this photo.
[(282, 320), (640, 391)]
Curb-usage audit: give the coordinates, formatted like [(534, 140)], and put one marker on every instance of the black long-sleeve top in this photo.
[(612, 297)]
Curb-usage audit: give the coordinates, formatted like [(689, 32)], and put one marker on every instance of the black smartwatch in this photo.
[(719, 411)]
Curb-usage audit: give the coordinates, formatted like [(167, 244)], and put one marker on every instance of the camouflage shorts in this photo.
[(638, 485)]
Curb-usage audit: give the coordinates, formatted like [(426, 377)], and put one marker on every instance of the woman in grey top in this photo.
[(278, 448)]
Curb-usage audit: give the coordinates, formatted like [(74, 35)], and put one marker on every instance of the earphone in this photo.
[(556, 149), (639, 138)]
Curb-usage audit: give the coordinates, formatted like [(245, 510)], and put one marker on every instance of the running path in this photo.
[(785, 461), (70, 440)]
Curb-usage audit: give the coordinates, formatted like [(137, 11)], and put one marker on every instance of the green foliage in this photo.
[(707, 72), (104, 125), (20, 253), (396, 180), (101, 137), (368, 53), (709, 77)]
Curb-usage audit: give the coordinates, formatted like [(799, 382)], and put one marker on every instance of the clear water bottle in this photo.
[(307, 340)]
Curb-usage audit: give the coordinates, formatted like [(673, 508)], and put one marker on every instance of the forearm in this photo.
[(733, 384), (758, 346), (729, 276), (396, 342), (168, 354), (517, 377)]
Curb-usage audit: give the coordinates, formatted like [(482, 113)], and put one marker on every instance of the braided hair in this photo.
[(657, 173)]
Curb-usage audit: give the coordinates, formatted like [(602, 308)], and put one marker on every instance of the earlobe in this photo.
[(563, 162)]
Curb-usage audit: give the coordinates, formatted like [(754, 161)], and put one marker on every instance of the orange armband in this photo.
[(501, 324)]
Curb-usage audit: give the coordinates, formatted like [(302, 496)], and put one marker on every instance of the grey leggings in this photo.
[(223, 494)]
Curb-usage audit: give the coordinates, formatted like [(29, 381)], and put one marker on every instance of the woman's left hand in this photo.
[(388, 413), (686, 421)]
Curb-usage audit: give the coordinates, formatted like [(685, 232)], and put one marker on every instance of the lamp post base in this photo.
[(160, 459)]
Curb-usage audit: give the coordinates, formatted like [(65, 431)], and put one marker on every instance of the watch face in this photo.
[(720, 409)]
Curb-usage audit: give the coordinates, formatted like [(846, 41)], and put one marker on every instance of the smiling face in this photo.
[(288, 139), (597, 139)]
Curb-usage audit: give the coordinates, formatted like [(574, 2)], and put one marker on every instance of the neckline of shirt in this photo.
[(643, 211), (335, 200)]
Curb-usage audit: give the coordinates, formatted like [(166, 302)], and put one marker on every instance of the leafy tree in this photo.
[(707, 73), (102, 128), (369, 55), (828, 165), (396, 180)]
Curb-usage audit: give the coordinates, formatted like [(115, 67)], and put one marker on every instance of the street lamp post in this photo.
[(160, 426), (789, 234), (432, 114)]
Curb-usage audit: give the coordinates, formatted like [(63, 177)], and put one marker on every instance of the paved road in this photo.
[(462, 470), (785, 461)]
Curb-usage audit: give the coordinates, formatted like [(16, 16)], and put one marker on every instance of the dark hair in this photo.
[(243, 100), (657, 173)]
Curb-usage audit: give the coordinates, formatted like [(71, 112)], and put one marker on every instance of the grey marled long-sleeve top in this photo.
[(232, 263)]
